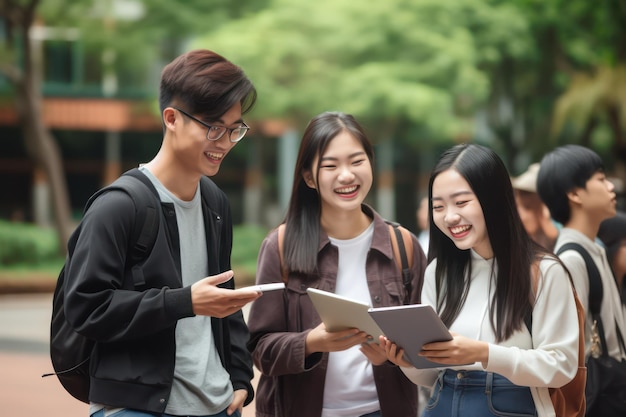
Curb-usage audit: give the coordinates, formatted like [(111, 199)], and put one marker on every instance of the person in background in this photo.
[(612, 234), (336, 243), (533, 212), (486, 278), (574, 186), (422, 223), (175, 345)]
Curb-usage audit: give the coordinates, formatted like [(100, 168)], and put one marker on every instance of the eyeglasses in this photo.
[(215, 132)]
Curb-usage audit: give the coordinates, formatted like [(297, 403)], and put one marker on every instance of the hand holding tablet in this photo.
[(410, 327), (340, 313)]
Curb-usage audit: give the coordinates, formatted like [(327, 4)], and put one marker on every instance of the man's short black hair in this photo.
[(205, 83), (565, 168)]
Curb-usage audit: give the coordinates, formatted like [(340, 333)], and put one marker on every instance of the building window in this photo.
[(58, 64)]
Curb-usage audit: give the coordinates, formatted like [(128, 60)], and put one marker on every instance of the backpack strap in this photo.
[(402, 244), (596, 292), (281, 239), (595, 281), (147, 204)]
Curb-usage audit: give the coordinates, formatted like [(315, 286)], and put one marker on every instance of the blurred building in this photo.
[(105, 123)]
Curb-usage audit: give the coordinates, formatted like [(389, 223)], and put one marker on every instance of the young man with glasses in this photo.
[(174, 344)]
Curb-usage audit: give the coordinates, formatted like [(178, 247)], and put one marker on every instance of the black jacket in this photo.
[(132, 365)]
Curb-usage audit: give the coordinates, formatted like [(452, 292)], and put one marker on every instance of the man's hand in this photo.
[(239, 397), (209, 300)]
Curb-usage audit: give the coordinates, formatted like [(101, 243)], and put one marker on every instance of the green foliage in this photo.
[(25, 248), (133, 39), (389, 63), (247, 240), (26, 244)]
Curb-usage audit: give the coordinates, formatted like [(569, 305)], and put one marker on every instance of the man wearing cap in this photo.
[(534, 214)]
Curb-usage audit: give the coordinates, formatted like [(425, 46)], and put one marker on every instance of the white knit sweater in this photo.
[(547, 359)]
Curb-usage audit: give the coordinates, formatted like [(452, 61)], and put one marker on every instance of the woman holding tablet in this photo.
[(490, 283), (336, 243)]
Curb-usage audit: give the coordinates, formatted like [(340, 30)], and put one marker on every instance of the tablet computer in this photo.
[(410, 327), (265, 287), (340, 313)]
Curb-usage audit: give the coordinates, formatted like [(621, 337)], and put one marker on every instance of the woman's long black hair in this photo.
[(304, 213), (513, 249)]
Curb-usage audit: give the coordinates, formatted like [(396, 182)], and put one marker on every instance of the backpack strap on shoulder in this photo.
[(402, 245), (145, 196), (147, 206), (596, 292), (281, 239), (595, 281)]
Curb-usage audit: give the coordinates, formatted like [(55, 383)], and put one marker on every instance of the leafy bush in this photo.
[(27, 244), (26, 247)]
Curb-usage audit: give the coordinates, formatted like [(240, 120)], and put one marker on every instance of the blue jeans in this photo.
[(478, 394), (135, 413)]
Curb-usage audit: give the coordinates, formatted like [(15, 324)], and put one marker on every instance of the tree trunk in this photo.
[(40, 144), (43, 149)]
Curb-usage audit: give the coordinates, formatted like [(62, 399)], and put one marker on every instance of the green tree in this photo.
[(393, 64), (124, 43), (594, 60), (567, 84), (412, 71)]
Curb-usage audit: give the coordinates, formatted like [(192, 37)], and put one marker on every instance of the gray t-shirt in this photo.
[(201, 384)]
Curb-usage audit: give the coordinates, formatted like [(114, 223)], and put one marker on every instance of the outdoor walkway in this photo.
[(24, 330)]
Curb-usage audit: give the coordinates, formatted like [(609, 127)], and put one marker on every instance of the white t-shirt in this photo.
[(350, 389)]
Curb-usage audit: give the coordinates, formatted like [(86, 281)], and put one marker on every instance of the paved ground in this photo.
[(24, 330)]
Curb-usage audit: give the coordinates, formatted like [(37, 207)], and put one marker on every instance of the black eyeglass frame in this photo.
[(244, 129)]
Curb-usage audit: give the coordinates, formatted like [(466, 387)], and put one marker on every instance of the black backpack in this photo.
[(69, 351)]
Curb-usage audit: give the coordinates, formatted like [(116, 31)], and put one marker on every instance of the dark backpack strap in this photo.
[(406, 272), (595, 281), (145, 196), (147, 206), (596, 293), (620, 337), (400, 249)]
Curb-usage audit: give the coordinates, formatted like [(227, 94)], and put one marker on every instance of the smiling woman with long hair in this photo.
[(480, 279), (334, 242)]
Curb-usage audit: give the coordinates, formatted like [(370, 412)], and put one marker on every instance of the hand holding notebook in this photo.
[(340, 313), (410, 327)]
